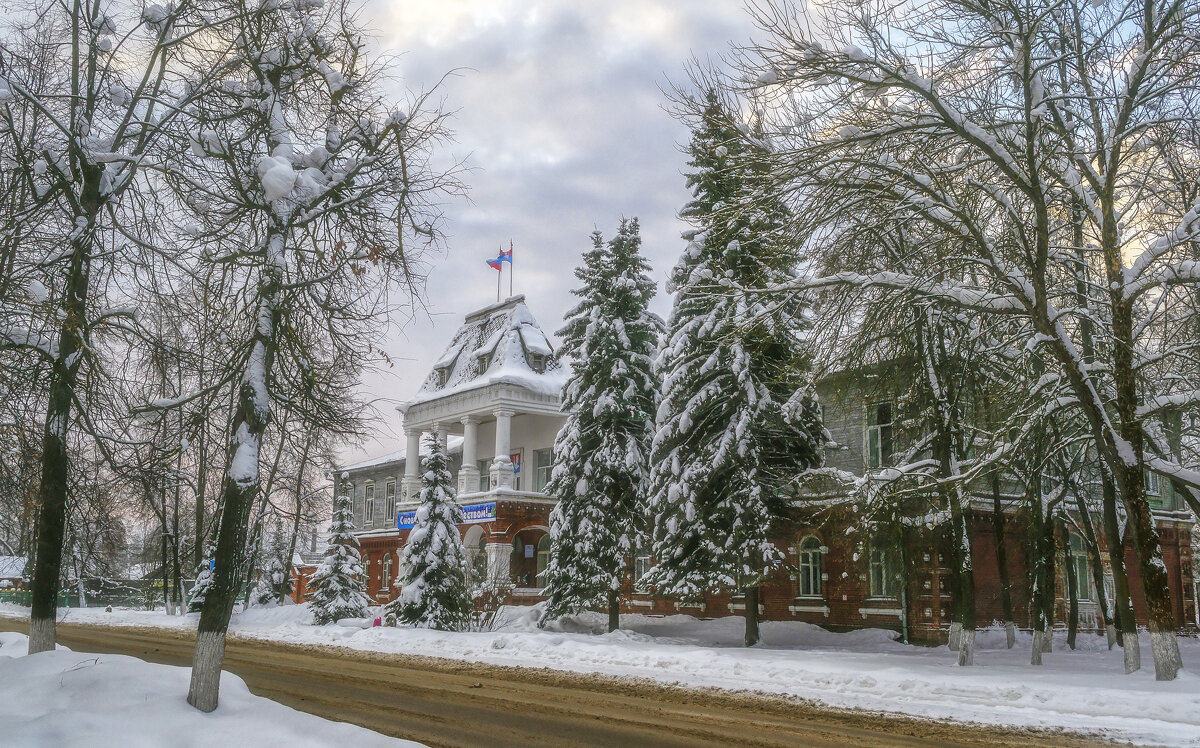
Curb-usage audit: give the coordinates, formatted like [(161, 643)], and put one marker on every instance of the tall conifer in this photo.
[(602, 450), (435, 593), (738, 418)]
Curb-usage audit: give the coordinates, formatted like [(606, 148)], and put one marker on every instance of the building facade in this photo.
[(493, 396)]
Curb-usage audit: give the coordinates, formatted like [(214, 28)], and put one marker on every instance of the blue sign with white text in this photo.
[(472, 514)]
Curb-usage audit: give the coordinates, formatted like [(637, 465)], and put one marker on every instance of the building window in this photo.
[(369, 496), (1083, 576), (543, 558), (543, 460), (882, 573), (879, 435), (537, 362), (386, 579), (1153, 483), (389, 493), (641, 567), (809, 553), (485, 468), (518, 462)]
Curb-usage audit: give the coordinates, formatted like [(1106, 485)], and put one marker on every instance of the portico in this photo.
[(494, 398)]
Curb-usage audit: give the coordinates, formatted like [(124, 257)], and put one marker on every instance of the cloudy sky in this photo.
[(561, 114)]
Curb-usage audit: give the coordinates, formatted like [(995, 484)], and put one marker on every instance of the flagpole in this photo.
[(510, 268)]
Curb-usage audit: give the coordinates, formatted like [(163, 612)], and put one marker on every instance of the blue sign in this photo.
[(472, 514)]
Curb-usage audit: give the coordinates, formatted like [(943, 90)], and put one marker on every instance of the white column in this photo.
[(468, 474), (502, 468), (410, 489)]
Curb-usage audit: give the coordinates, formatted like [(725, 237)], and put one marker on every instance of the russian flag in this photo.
[(505, 256), (495, 264)]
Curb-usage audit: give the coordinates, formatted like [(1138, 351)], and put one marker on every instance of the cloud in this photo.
[(561, 114)]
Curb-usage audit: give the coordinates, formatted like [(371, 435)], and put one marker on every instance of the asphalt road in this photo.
[(452, 703)]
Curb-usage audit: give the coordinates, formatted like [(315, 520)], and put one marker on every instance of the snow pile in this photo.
[(73, 698), (1084, 690)]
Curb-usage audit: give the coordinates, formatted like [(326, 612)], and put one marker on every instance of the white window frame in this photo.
[(385, 580), (1084, 588), (539, 484), (873, 434), (485, 474), (880, 568), (389, 494), (1153, 483), (641, 565), (369, 501), (808, 563)]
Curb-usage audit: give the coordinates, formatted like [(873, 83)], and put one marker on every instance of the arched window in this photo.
[(543, 557), (809, 552), (386, 580)]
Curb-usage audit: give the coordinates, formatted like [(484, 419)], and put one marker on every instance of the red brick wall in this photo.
[(846, 585)]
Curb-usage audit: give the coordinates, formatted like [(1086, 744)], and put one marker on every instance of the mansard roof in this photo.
[(500, 343)]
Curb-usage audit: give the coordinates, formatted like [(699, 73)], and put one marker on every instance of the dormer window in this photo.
[(537, 362), (442, 375), (485, 360)]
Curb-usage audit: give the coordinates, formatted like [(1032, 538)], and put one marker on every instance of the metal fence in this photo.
[(100, 592)]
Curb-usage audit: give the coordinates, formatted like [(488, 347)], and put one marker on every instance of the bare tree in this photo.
[(314, 201)]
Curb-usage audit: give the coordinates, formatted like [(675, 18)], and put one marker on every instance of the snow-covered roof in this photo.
[(453, 446), (11, 567), (495, 345)]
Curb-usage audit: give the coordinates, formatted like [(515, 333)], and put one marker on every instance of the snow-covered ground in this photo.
[(67, 698), (1083, 690)]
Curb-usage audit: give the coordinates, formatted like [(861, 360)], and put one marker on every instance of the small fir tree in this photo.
[(602, 451), (435, 593), (738, 418), (339, 588)]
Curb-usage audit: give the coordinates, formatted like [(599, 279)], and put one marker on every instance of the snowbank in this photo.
[(73, 698), (1083, 690)]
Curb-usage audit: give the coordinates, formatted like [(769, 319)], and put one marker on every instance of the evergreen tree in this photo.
[(602, 451), (738, 417), (339, 589), (435, 593)]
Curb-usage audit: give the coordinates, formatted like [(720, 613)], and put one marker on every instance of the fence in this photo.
[(101, 592)]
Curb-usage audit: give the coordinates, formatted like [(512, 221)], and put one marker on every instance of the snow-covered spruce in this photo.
[(738, 418), (435, 592), (602, 451), (338, 586)]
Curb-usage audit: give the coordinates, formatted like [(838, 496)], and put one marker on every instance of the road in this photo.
[(452, 703)]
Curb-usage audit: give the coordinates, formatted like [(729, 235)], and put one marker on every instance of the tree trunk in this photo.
[(1072, 590), (614, 610), (52, 493), (238, 492), (1126, 457), (1127, 634), (751, 616), (998, 525), (1042, 599), (1097, 568)]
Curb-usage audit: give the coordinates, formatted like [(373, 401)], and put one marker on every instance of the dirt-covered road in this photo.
[(451, 703)]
